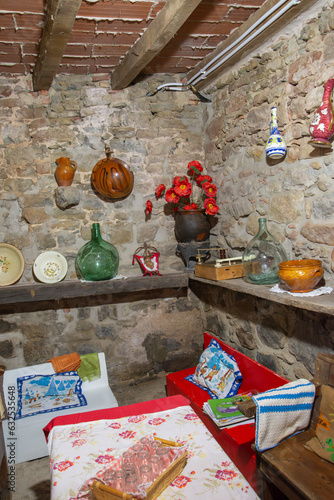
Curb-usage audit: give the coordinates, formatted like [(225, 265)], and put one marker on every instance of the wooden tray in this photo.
[(103, 492)]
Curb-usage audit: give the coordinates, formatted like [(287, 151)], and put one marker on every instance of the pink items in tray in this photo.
[(140, 465)]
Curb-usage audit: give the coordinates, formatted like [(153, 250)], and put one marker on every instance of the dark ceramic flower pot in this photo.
[(191, 225)]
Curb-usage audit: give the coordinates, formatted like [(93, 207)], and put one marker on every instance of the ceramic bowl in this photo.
[(50, 267), (11, 264), (301, 276)]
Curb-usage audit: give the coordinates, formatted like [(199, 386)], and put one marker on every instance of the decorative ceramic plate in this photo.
[(50, 267), (11, 264)]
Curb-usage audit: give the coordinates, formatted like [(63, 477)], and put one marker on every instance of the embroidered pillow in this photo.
[(48, 393), (217, 372)]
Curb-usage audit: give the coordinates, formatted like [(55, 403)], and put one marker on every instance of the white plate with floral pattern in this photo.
[(11, 264), (50, 267)]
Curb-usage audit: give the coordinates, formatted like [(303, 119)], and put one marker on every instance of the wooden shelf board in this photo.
[(36, 292), (320, 304)]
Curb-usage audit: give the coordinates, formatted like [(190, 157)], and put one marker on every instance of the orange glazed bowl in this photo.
[(301, 276)]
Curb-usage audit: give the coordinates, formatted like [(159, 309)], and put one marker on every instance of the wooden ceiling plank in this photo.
[(269, 32), (60, 17), (158, 34)]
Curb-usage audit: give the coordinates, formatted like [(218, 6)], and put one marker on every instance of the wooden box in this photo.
[(103, 492), (209, 271)]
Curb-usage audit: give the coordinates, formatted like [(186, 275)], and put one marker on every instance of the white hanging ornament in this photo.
[(275, 147)]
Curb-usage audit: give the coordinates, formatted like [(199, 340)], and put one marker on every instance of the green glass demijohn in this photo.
[(262, 257), (97, 260)]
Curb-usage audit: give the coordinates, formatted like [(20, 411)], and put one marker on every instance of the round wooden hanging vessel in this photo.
[(112, 178)]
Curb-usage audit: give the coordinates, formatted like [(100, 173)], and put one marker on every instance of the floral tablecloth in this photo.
[(79, 451)]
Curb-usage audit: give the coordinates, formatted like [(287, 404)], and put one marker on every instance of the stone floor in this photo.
[(33, 478)]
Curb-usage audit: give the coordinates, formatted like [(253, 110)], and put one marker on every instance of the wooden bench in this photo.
[(236, 441), (290, 470)]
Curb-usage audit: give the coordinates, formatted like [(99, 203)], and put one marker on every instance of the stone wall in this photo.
[(295, 194), (156, 137)]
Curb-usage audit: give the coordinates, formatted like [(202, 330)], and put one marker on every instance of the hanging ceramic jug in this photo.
[(262, 257), (275, 147), (112, 178), (97, 260), (65, 171), (322, 125)]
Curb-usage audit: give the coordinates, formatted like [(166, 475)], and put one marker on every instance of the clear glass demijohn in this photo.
[(262, 257)]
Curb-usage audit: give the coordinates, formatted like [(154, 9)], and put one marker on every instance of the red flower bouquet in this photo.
[(192, 192)]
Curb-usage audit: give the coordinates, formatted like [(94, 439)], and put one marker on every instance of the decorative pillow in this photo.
[(48, 393), (323, 442), (217, 372)]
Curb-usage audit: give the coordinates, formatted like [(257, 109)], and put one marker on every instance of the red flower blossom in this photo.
[(104, 459), (61, 466), (226, 475), (192, 206), (191, 416), (179, 178), (148, 209), (159, 192), (188, 193), (128, 434), (203, 178), (79, 442), (181, 481), (183, 188), (156, 421), (171, 196), (194, 167), (115, 425), (136, 418), (210, 206), (77, 433), (209, 189)]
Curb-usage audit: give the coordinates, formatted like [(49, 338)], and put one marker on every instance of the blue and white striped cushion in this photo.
[(282, 412)]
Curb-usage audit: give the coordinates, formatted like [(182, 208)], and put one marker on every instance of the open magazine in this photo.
[(225, 413)]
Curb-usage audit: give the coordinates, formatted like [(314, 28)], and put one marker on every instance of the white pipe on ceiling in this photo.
[(203, 73), (239, 43)]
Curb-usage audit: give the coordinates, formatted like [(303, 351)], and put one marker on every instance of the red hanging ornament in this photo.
[(322, 125), (149, 261)]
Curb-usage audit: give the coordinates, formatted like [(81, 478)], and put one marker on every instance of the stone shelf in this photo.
[(321, 304), (37, 292)]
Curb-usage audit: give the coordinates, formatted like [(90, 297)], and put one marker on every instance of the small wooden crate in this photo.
[(103, 492), (211, 272)]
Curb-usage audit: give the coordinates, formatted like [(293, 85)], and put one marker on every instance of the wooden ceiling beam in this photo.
[(268, 33), (158, 34), (60, 17)]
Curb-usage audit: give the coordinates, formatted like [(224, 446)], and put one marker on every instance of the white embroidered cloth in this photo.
[(79, 451), (282, 412), (314, 293)]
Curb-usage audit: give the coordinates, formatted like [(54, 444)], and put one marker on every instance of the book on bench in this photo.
[(225, 413)]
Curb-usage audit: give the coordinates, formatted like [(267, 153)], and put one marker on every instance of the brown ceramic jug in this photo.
[(65, 171)]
